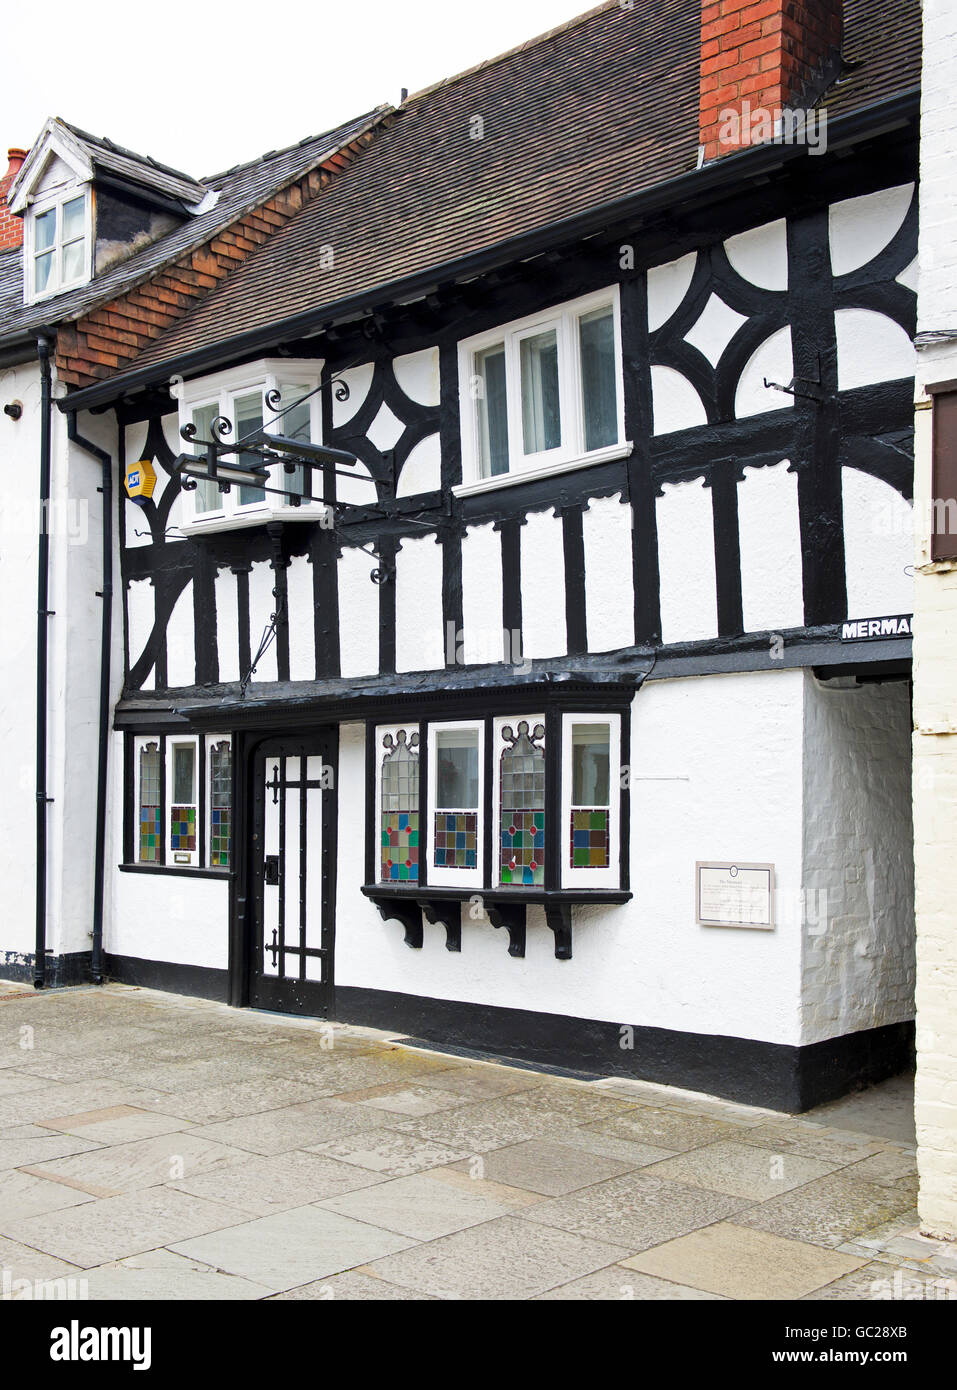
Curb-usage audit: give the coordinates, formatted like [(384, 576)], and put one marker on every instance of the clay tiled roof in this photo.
[(603, 107)]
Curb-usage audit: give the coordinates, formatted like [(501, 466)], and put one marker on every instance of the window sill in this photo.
[(176, 871), (548, 470), (506, 907), (258, 516)]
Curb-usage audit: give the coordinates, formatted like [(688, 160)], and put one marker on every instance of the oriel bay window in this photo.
[(179, 802), (543, 394), (275, 397), (528, 806)]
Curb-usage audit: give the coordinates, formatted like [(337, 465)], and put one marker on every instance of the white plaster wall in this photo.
[(667, 286), (770, 539), (858, 966), (422, 470), (760, 255), (771, 360), (689, 600), (859, 228), (717, 772), (227, 625), (262, 604), (417, 374), (482, 641), (358, 614), (609, 583), (302, 620), (543, 586), (878, 546), (141, 618), (935, 658), (161, 917), (675, 404), (419, 636), (870, 348), (181, 641), (19, 516)]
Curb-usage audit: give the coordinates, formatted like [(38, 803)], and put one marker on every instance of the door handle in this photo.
[(271, 870)]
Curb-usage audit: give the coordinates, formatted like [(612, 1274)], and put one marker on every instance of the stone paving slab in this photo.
[(428, 1205), (637, 1210), (262, 1157), (262, 1186), (503, 1259), (293, 1248), (109, 1172), (115, 1227), (740, 1263)]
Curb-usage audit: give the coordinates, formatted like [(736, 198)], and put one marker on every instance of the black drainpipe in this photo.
[(43, 615), (106, 635)]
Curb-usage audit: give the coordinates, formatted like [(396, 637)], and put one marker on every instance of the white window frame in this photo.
[(411, 727), (180, 859), (511, 721), (582, 877), (221, 391), (140, 743), (572, 452), (211, 741), (454, 877), (45, 203)]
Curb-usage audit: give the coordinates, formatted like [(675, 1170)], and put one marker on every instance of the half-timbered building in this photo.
[(537, 681)]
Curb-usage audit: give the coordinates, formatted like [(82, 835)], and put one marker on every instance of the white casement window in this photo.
[(182, 801), (58, 250), (542, 395), (456, 798), (251, 398), (591, 800), (182, 792)]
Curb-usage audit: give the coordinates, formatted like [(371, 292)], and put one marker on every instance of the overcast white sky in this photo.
[(203, 86)]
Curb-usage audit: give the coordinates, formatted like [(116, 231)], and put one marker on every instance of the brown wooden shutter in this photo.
[(943, 537)]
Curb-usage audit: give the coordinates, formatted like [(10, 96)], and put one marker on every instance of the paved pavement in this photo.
[(156, 1147)]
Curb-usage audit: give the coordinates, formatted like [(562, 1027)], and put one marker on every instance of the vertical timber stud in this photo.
[(723, 482), (574, 548), (641, 488), (244, 851), (553, 799)]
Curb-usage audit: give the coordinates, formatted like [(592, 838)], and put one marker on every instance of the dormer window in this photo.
[(58, 245)]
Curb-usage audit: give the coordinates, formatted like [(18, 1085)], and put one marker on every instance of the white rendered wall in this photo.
[(19, 516), (543, 586), (717, 773), (482, 641), (358, 614), (689, 596), (935, 659), (769, 535), (858, 967), (609, 586), (419, 637)]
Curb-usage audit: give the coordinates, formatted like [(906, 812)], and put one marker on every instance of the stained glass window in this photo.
[(400, 809), (589, 834), (151, 828), (522, 806), (455, 827), (220, 804), (182, 816)]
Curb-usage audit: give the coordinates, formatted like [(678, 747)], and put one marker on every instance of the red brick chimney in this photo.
[(11, 228), (762, 56)]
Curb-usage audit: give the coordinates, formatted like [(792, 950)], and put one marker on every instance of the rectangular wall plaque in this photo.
[(734, 895)]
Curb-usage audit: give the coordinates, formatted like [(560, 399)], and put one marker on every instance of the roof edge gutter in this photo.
[(719, 176)]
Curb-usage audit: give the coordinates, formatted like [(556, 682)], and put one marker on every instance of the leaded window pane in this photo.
[(220, 804), (522, 806), (150, 810), (399, 796)]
